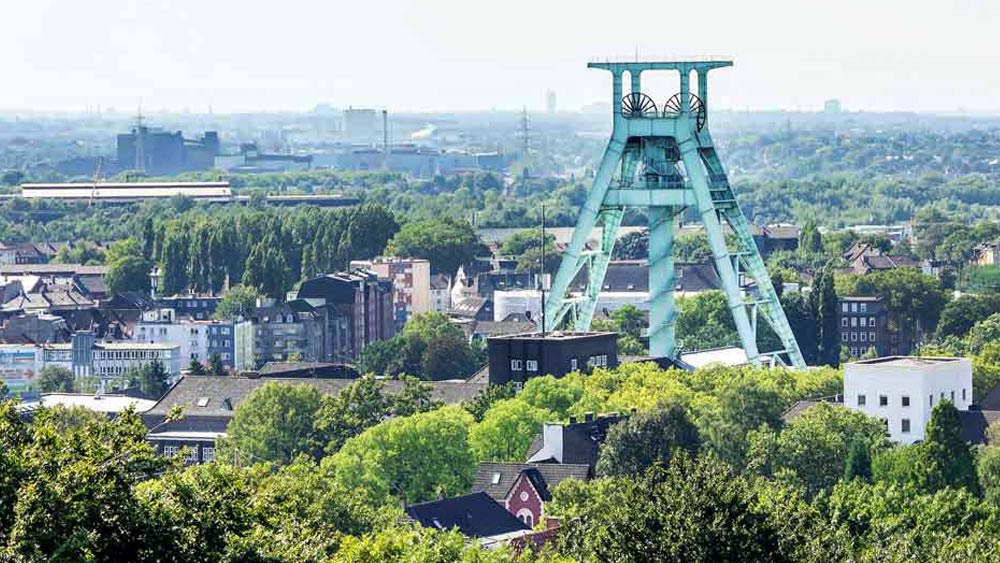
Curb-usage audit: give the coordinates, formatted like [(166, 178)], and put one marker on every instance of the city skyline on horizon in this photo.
[(440, 56)]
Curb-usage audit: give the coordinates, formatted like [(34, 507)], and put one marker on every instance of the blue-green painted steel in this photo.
[(664, 162)]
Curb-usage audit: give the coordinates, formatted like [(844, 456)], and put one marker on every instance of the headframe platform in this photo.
[(661, 159)]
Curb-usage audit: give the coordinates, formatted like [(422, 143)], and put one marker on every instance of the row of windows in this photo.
[(529, 365), (856, 336), (532, 365), (904, 400), (207, 453), (856, 352), (857, 321), (854, 307)]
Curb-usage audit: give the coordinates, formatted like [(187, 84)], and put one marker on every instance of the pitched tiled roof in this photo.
[(496, 479), (222, 394), (975, 423), (476, 515)]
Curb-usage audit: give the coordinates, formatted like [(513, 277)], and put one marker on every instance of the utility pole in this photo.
[(542, 279)]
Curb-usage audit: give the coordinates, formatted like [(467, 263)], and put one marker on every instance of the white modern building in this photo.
[(903, 390)]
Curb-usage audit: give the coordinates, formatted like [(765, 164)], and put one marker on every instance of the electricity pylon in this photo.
[(662, 160)]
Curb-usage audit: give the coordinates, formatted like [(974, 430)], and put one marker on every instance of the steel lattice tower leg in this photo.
[(664, 161)]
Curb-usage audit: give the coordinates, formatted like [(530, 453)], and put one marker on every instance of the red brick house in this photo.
[(524, 488)]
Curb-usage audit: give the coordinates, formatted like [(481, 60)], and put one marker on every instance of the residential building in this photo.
[(987, 254), (774, 238), (863, 258), (903, 390), (359, 307), (524, 488), (210, 402), (196, 307), (440, 293), (475, 516), (291, 330), (41, 328), (519, 357), (865, 325), (411, 284), (198, 340)]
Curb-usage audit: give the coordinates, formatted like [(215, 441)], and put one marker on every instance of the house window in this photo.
[(871, 336), (953, 397), (883, 400), (863, 307), (170, 451), (864, 336), (931, 397), (525, 516), (843, 307), (207, 454), (515, 365), (531, 365), (843, 322), (854, 337), (963, 394), (906, 400), (871, 321), (854, 307), (861, 400), (854, 321), (905, 426), (844, 336), (572, 364), (495, 479)]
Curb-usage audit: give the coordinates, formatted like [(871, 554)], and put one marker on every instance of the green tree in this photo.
[(196, 368), (274, 423), (446, 243), (824, 305), (950, 462), (859, 462), (705, 321), (238, 300), (412, 458), (814, 447), (54, 379), (744, 405), (693, 511), (637, 443), (479, 405), (959, 315), (810, 239), (128, 269), (215, 365), (507, 430), (633, 245), (983, 332), (266, 269)]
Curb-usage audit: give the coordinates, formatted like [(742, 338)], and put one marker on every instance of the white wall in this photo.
[(916, 378)]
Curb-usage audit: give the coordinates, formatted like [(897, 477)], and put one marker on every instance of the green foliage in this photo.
[(634, 445), (982, 333), (949, 459), (554, 395), (633, 245), (479, 405), (814, 447), (692, 511), (54, 379), (195, 367), (916, 298), (810, 239), (275, 423), (823, 301), (959, 315), (431, 347), (215, 365), (704, 322), (859, 462), (238, 300), (507, 430), (445, 242), (128, 269), (412, 458)]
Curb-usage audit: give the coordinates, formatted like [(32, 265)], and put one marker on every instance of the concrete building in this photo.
[(361, 125), (865, 325), (519, 357), (107, 361), (282, 332), (198, 340), (440, 293), (411, 284), (359, 308), (156, 151), (251, 159), (903, 390)]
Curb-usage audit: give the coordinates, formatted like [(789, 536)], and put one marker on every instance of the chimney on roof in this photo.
[(588, 417), (572, 420)]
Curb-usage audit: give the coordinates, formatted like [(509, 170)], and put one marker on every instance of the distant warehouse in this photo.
[(127, 191), (132, 192)]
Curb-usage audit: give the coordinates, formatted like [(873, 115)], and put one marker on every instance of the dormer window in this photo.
[(495, 478)]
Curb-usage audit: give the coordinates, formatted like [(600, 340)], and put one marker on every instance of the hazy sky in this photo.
[(467, 54)]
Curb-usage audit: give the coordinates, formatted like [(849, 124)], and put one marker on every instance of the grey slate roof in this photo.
[(975, 424), (476, 516), (550, 475), (224, 393)]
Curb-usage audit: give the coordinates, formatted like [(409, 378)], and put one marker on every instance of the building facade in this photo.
[(198, 340), (519, 357), (411, 284), (107, 361), (902, 391), (359, 310), (864, 325)]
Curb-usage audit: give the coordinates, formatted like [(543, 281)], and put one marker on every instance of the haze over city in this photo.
[(185, 55)]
